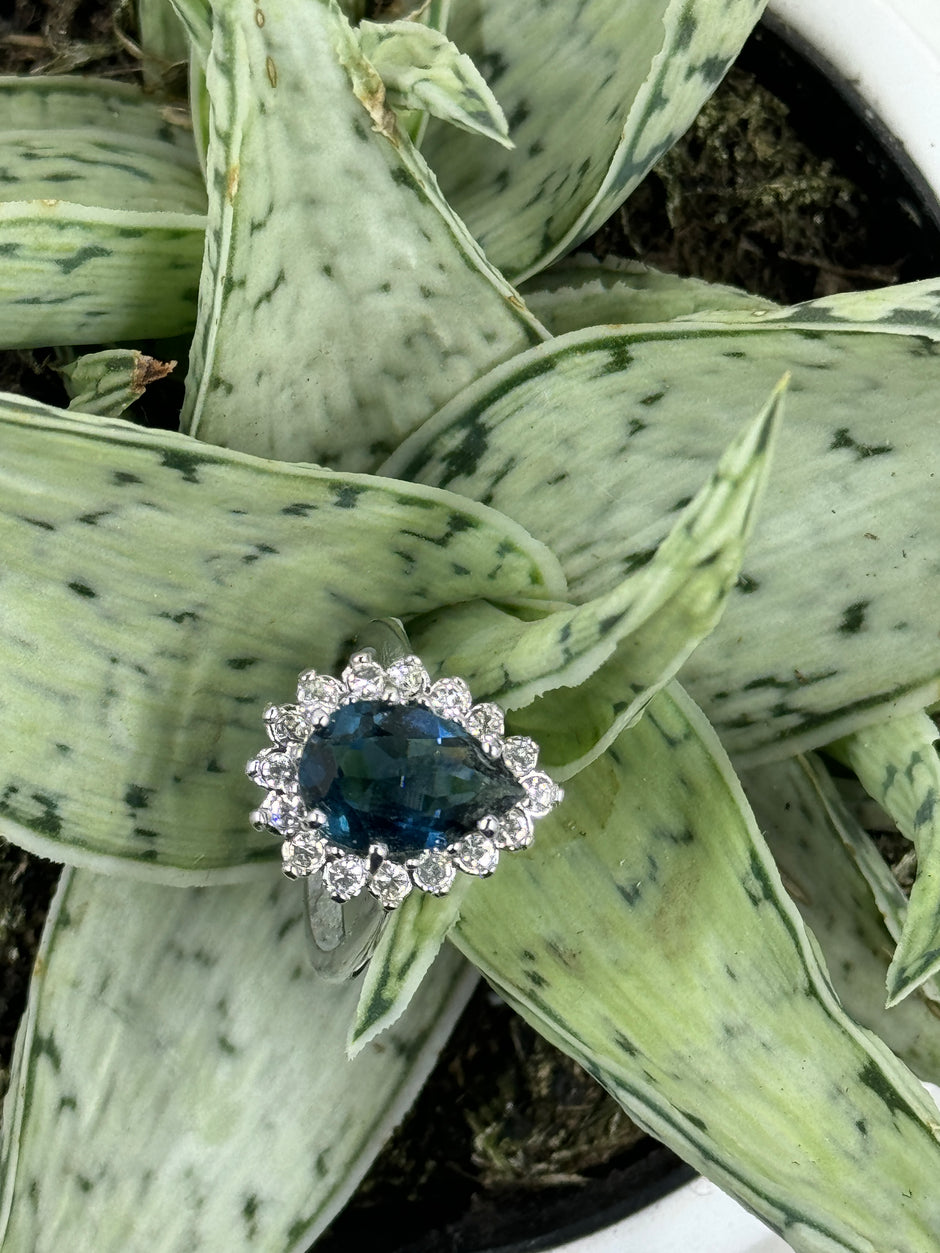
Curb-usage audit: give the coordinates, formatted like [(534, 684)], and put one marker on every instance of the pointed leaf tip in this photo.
[(898, 764), (408, 948)]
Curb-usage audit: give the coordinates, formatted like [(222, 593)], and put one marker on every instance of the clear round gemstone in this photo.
[(298, 862), (434, 873), (319, 689), (520, 754), (284, 814), (543, 793), (486, 721), (515, 830), (365, 679), (408, 678), (272, 769), (390, 884), (475, 854), (312, 843), (450, 698), (345, 877), (288, 725)]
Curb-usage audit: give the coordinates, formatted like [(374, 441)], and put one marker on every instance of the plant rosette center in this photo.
[(383, 780)]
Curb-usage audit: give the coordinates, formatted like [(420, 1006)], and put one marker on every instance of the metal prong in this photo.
[(488, 824)]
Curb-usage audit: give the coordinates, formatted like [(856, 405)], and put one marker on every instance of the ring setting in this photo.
[(383, 781)]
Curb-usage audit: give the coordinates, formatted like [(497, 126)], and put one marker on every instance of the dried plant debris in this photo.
[(26, 884), (59, 36)]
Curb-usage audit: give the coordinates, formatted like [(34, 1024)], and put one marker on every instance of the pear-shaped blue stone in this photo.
[(402, 776)]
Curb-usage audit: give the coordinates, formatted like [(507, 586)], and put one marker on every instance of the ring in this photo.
[(381, 782)]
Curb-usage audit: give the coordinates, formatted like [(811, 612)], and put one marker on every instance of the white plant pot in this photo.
[(884, 55)]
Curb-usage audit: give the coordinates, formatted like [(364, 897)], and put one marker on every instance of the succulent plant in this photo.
[(405, 398)]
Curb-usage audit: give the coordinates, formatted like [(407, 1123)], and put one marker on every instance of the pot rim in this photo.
[(883, 56)]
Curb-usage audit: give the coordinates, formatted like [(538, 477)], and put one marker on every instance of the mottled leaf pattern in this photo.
[(106, 383), (898, 763), (606, 434), (410, 942), (75, 274), (422, 69), (181, 1081), (113, 170), (696, 997), (582, 291), (383, 324), (102, 215), (795, 803), (908, 309), (630, 641), (53, 103), (157, 594), (595, 94)]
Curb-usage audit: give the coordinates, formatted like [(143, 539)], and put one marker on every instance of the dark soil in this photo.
[(510, 1133)]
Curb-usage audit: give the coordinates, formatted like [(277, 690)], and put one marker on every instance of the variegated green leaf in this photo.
[(156, 594), (103, 215), (106, 383), (422, 69), (410, 942), (113, 170), (196, 18), (163, 39), (605, 435), (325, 332), (898, 763), (582, 291), (181, 1081), (795, 803), (908, 309), (594, 94), (102, 106), (861, 849), (629, 641), (74, 274), (648, 934)]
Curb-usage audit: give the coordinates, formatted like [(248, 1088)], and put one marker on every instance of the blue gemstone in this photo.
[(402, 776)]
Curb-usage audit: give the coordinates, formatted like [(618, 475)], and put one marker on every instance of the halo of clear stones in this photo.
[(475, 854), (319, 689), (520, 754), (365, 679), (515, 830), (345, 877), (305, 852), (408, 678), (450, 698), (543, 793), (434, 872), (287, 725), (486, 720), (302, 856), (390, 884)]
